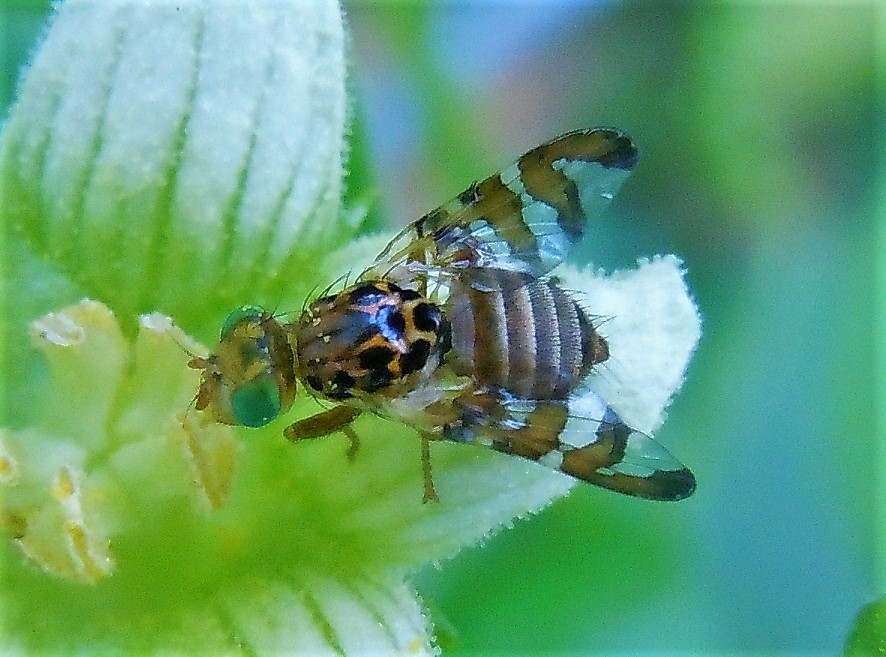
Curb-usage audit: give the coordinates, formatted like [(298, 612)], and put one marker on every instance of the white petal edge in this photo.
[(652, 326)]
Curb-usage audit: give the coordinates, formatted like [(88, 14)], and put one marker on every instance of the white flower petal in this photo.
[(165, 154), (652, 326), (369, 615)]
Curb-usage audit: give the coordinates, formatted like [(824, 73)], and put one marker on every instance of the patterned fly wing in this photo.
[(526, 218), (582, 437)]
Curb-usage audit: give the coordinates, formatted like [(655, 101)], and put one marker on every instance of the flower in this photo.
[(185, 158)]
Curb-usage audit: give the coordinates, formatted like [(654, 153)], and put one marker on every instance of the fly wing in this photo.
[(526, 218), (582, 437)]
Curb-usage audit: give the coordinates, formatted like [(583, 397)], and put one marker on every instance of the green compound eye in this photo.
[(256, 403), (238, 315)]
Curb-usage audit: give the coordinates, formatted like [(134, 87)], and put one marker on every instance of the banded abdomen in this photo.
[(513, 331)]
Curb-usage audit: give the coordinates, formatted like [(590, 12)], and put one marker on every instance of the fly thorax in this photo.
[(372, 338)]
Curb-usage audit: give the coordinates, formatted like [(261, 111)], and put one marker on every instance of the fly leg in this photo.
[(340, 419), (325, 423), (430, 492)]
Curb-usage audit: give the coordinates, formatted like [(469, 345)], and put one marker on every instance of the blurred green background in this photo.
[(760, 129)]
